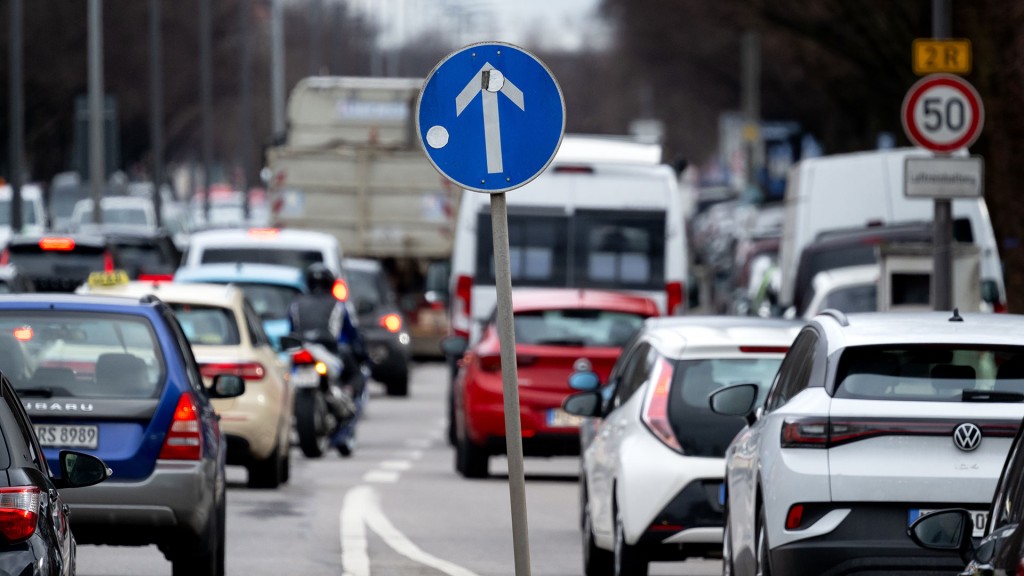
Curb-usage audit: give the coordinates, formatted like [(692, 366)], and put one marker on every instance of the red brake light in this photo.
[(674, 298), (764, 349), (263, 231), (156, 278), (393, 322), (1020, 568), (461, 310), (795, 517), (23, 334), (5, 257), (108, 262), (303, 357), (19, 507), (58, 244), (805, 433), (999, 307), (183, 441), (340, 290), (655, 414), (490, 362), (247, 370)]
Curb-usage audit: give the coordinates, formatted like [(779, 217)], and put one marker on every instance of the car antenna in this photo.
[(956, 317)]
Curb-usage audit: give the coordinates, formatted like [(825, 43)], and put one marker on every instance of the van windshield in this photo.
[(593, 249), (28, 213)]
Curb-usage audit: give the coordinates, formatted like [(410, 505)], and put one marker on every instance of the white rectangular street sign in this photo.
[(944, 178)]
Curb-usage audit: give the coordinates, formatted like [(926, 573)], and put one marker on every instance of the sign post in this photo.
[(491, 117), (943, 113)]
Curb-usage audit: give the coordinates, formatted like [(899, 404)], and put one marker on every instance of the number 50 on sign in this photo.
[(942, 113)]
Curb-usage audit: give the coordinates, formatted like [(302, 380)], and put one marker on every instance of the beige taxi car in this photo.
[(227, 338)]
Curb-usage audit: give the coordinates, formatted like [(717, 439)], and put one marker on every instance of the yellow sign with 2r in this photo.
[(933, 56)]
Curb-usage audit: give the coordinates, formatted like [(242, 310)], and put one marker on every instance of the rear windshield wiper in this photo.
[(561, 342), (991, 396), (35, 392)]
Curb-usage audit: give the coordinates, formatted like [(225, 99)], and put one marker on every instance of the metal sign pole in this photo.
[(943, 231), (510, 385)]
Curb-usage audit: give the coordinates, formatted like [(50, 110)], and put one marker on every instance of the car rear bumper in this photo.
[(176, 497), (871, 540), (252, 435), (389, 358), (487, 427)]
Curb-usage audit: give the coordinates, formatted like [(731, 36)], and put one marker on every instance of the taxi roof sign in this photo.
[(933, 56), (112, 278)]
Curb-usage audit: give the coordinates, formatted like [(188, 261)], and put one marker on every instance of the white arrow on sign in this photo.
[(488, 82)]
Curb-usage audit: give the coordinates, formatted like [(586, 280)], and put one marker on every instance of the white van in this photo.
[(849, 191), (605, 214), (33, 213)]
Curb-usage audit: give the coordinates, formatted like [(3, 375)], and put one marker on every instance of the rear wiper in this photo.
[(562, 342), (35, 392), (991, 396)]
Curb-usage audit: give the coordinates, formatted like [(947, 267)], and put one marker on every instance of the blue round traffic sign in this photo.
[(490, 117)]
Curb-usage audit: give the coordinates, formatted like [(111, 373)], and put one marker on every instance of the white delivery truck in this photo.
[(863, 189), (352, 167)]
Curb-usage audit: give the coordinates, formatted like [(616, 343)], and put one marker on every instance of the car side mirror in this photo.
[(227, 386), (948, 530), (735, 400), (78, 470), (586, 404), (454, 346), (584, 381), (289, 342)]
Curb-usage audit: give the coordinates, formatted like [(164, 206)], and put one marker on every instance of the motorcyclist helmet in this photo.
[(319, 279)]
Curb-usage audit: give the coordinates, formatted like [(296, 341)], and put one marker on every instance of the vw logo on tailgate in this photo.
[(967, 437)]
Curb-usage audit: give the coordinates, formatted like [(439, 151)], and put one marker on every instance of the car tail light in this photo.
[(19, 507), (156, 278), (57, 244), (826, 433), (461, 309), (5, 257), (24, 334), (795, 516), (674, 298), (108, 262), (183, 441), (490, 362), (655, 413), (1020, 568), (805, 433), (303, 357), (340, 290), (999, 307), (247, 370), (263, 231), (392, 322)]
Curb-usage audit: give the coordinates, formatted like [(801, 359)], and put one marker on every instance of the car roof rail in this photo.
[(837, 315)]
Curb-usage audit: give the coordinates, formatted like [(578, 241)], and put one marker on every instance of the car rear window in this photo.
[(79, 354), (77, 261), (144, 259), (207, 325), (575, 327), (270, 301), (932, 373), (700, 431), (262, 255)]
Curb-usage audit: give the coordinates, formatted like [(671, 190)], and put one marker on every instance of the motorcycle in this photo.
[(330, 391)]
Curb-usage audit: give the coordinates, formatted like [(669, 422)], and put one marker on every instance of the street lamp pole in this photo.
[(97, 172), (156, 106), (17, 113)]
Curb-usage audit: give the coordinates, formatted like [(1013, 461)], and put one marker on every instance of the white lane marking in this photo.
[(396, 465), (355, 559), (381, 476), (362, 504), (410, 454)]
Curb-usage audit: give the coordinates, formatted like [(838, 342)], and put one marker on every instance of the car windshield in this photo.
[(89, 355), (931, 373), (700, 431), (270, 301), (207, 325), (296, 258), (28, 213), (364, 286), (576, 327)]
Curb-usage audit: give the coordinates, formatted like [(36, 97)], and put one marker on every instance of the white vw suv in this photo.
[(872, 420)]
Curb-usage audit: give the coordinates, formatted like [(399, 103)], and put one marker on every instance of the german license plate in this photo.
[(305, 378), (558, 418), (68, 435), (979, 518)]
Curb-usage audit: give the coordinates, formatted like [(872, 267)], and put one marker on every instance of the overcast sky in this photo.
[(549, 24)]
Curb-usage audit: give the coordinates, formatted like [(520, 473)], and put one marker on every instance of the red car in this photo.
[(555, 330)]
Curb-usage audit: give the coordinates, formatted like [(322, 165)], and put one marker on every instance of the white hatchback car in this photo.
[(652, 470), (872, 420)]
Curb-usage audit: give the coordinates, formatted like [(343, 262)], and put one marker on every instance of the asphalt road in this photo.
[(395, 508)]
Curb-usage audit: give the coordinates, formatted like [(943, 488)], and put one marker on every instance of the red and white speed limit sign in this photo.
[(943, 113)]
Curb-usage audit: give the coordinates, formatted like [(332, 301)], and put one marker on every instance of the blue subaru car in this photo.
[(115, 378), (270, 289)]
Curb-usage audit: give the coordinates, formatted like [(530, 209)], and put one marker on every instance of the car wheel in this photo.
[(596, 561), (266, 473), (399, 386), (452, 436), (286, 464), (311, 424), (627, 559), (202, 555), (727, 566), (471, 460), (763, 556)]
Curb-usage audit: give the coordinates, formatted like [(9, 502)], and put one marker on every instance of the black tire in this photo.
[(399, 385), (286, 464), (596, 561), (471, 460), (453, 437), (627, 560), (266, 473), (764, 564), (311, 423), (204, 555)]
